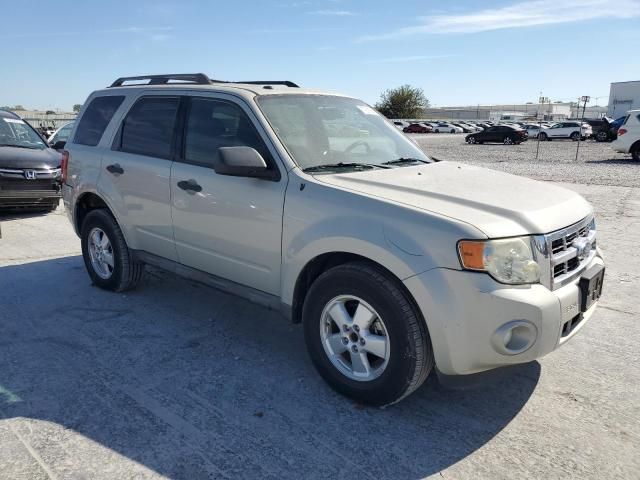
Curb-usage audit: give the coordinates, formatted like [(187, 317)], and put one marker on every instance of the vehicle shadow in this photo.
[(614, 161), (193, 383)]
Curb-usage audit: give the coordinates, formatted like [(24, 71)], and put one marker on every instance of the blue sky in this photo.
[(462, 52)]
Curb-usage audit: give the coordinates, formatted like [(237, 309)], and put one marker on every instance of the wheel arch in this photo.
[(325, 261), (87, 202)]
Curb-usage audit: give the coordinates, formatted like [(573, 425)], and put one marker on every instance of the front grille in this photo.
[(572, 249), (23, 184)]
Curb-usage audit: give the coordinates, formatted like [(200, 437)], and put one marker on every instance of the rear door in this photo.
[(227, 226), (136, 173)]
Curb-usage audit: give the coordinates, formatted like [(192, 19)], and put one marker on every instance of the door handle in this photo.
[(189, 185), (115, 169)]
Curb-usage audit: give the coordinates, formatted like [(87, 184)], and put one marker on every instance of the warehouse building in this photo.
[(514, 112), (624, 96)]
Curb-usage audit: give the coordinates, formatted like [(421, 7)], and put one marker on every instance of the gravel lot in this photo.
[(177, 380), (597, 163)]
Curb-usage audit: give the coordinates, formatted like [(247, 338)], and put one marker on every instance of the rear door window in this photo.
[(95, 119), (149, 127)]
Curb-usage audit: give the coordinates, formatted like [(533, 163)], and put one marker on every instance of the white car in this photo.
[(628, 140), (533, 130), (61, 134), (574, 130), (443, 127), (395, 264)]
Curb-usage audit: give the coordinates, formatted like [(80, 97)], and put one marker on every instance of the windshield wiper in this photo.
[(402, 160), (341, 165), (17, 146)]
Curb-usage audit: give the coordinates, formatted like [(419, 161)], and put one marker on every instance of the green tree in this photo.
[(77, 107), (402, 102)]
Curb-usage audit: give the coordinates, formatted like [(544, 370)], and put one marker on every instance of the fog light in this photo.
[(514, 337)]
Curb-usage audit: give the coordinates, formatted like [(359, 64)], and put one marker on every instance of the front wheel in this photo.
[(471, 140), (106, 255), (453, 131), (544, 137), (364, 336), (575, 136)]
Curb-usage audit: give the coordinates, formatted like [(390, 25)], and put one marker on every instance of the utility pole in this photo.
[(583, 99), (542, 100)]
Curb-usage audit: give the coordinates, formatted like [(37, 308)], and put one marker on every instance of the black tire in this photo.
[(544, 137), (126, 272), (437, 131), (508, 141), (575, 136), (602, 137), (453, 131), (411, 354), (635, 152), (471, 140)]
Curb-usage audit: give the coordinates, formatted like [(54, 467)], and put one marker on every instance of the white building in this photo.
[(546, 111), (624, 96)]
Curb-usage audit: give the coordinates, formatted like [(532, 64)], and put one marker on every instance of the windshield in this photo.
[(16, 133), (327, 130)]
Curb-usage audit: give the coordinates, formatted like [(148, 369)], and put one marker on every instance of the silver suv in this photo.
[(315, 205)]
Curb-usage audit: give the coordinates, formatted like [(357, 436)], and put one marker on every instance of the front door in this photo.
[(227, 226)]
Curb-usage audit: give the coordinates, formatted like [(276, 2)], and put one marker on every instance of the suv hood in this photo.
[(18, 158), (499, 204)]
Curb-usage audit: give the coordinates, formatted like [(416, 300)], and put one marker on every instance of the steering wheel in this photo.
[(355, 145)]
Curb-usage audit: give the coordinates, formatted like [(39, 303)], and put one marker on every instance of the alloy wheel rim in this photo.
[(101, 253), (354, 338)]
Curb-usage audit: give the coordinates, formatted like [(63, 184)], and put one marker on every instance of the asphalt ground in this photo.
[(177, 380)]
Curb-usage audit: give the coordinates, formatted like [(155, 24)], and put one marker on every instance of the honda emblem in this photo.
[(30, 174)]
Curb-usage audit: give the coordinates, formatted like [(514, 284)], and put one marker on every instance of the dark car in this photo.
[(498, 134), (417, 128), (30, 175)]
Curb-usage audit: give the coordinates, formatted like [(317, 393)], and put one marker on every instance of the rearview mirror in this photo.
[(59, 145), (243, 162)]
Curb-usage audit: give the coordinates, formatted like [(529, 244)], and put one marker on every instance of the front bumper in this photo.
[(28, 198), (466, 311)]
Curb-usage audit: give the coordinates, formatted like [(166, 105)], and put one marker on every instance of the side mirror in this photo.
[(59, 145), (243, 162)]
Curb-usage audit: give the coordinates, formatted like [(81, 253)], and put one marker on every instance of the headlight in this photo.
[(509, 260)]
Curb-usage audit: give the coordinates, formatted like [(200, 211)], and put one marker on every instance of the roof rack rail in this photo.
[(197, 78), (286, 83)]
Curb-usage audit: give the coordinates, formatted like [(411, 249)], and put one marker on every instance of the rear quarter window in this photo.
[(95, 119)]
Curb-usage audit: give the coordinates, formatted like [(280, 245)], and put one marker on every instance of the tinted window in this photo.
[(212, 124), (149, 126), (95, 119)]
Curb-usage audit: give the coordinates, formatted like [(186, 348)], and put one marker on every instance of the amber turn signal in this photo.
[(471, 254)]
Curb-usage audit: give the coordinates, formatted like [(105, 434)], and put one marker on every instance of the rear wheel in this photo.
[(507, 141), (437, 131), (602, 136), (453, 131), (106, 255), (635, 152), (364, 336)]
